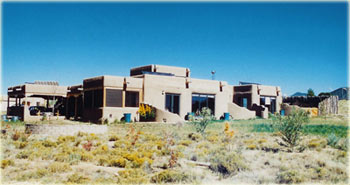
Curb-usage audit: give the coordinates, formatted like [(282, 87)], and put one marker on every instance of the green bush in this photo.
[(332, 140), (290, 126), (205, 119)]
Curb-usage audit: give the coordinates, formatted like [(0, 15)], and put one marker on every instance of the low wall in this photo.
[(167, 117), (238, 112), (56, 130)]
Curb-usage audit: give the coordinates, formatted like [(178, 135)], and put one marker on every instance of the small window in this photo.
[(245, 102), (131, 99), (114, 98)]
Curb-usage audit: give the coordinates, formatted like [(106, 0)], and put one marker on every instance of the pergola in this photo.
[(45, 90)]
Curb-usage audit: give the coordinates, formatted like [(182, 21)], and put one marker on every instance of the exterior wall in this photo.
[(177, 71), (238, 112), (114, 113), (255, 93), (155, 88)]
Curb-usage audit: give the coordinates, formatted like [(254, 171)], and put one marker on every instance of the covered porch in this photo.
[(52, 94)]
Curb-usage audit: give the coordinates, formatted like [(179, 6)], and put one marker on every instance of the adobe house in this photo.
[(45, 90), (170, 90)]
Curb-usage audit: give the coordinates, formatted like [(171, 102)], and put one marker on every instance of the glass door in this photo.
[(172, 103)]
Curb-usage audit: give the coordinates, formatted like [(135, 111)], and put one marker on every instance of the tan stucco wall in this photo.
[(50, 90), (117, 81), (167, 117), (238, 112), (177, 71), (155, 88), (266, 91), (116, 113)]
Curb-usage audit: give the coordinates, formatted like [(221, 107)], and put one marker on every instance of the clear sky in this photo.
[(293, 45)]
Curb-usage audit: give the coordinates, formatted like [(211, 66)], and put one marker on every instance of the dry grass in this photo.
[(163, 153)]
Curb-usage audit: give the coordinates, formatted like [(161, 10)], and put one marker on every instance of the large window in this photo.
[(88, 95), (93, 98), (114, 97), (132, 99), (203, 100), (172, 103)]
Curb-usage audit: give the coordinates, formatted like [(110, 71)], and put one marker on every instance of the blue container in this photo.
[(227, 116), (4, 117), (282, 112), (189, 115), (127, 117), (14, 118)]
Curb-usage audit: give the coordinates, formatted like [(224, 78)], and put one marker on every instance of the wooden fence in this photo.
[(328, 106)]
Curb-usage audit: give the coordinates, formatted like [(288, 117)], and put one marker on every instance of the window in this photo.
[(262, 100), (93, 98), (245, 102), (203, 100), (114, 97), (88, 99), (172, 103), (98, 98), (131, 99)]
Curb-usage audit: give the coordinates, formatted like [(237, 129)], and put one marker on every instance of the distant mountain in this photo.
[(299, 94)]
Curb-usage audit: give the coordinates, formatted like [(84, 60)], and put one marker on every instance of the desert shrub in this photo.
[(20, 144), (194, 136), (48, 143), (332, 140), (132, 176), (185, 142), (74, 158), (16, 135), (78, 179), (317, 143), (251, 146), (41, 172), (205, 119), (23, 154), (147, 112), (6, 162), (113, 138), (63, 139), (170, 176), (289, 176), (102, 161), (119, 162), (61, 157), (226, 163), (290, 126), (58, 167), (343, 144), (86, 156)]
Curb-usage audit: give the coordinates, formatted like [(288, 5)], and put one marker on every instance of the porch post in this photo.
[(75, 107)]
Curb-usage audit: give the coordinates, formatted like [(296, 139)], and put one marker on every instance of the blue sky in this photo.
[(293, 45)]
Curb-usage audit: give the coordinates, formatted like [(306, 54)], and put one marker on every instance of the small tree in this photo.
[(205, 119), (310, 92), (290, 126)]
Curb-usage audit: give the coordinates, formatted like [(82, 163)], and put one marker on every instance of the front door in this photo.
[(172, 103)]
